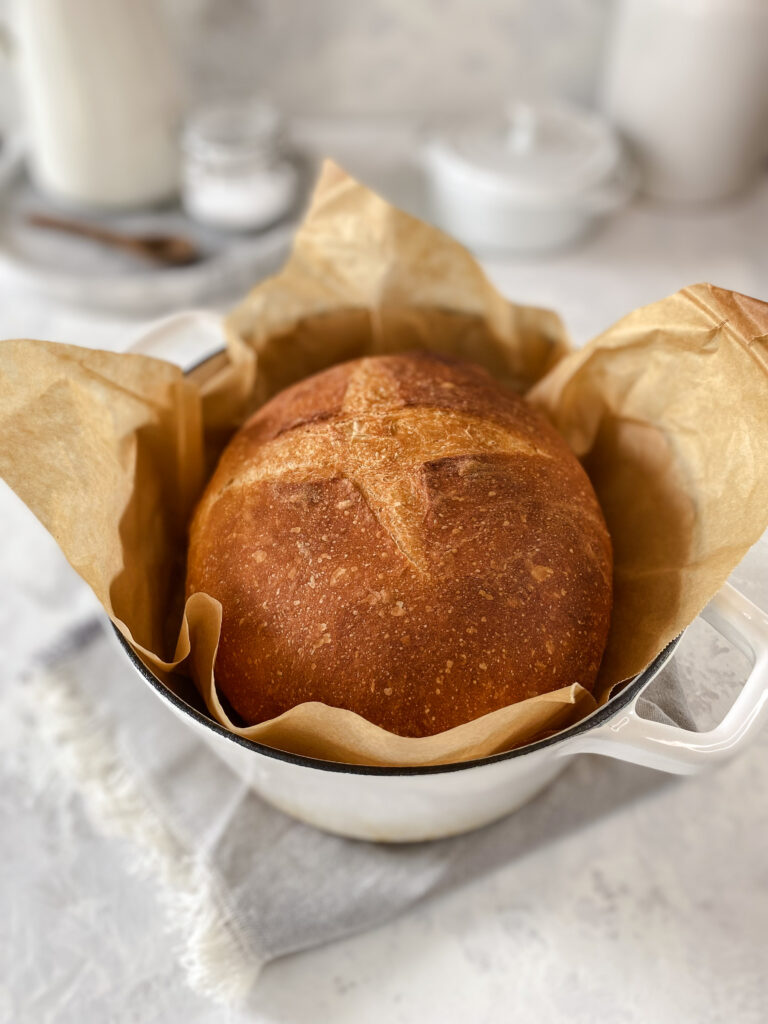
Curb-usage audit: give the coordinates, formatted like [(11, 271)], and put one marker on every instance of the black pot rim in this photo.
[(621, 700)]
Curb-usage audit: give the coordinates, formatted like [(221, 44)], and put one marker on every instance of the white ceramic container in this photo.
[(410, 804), (686, 81), (536, 181)]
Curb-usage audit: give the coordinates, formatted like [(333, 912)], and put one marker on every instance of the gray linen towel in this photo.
[(245, 883)]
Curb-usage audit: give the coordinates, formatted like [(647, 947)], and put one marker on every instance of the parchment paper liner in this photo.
[(668, 410)]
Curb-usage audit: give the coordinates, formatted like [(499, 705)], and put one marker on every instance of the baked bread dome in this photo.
[(401, 537)]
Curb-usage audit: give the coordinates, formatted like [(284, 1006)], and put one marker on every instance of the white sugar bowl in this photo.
[(535, 180)]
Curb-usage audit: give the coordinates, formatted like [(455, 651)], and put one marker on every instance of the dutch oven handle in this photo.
[(669, 748), (182, 338)]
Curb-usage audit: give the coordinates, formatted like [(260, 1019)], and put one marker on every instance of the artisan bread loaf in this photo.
[(400, 537)]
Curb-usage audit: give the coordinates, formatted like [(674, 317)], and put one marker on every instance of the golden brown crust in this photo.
[(401, 537)]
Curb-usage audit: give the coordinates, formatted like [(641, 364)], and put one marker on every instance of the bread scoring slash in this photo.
[(401, 537)]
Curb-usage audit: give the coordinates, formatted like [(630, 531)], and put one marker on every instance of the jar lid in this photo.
[(234, 129), (537, 153)]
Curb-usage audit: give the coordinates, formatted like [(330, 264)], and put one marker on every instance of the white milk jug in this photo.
[(101, 97)]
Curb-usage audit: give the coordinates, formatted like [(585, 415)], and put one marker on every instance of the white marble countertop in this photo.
[(656, 911)]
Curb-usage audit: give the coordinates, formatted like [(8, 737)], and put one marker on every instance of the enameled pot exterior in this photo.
[(410, 804), (397, 804), (393, 808)]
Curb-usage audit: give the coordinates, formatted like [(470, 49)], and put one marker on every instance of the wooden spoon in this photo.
[(168, 250)]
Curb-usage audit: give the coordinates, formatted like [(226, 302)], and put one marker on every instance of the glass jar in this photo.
[(236, 172)]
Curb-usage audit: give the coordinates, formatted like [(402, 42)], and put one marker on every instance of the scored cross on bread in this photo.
[(379, 444)]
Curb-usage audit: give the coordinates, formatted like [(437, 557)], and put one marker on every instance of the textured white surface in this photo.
[(655, 911)]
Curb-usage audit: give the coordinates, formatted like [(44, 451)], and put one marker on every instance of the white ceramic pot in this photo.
[(536, 182), (410, 804)]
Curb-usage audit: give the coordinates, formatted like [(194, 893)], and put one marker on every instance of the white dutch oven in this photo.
[(408, 804)]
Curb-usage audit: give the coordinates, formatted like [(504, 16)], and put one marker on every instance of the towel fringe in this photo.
[(215, 955)]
